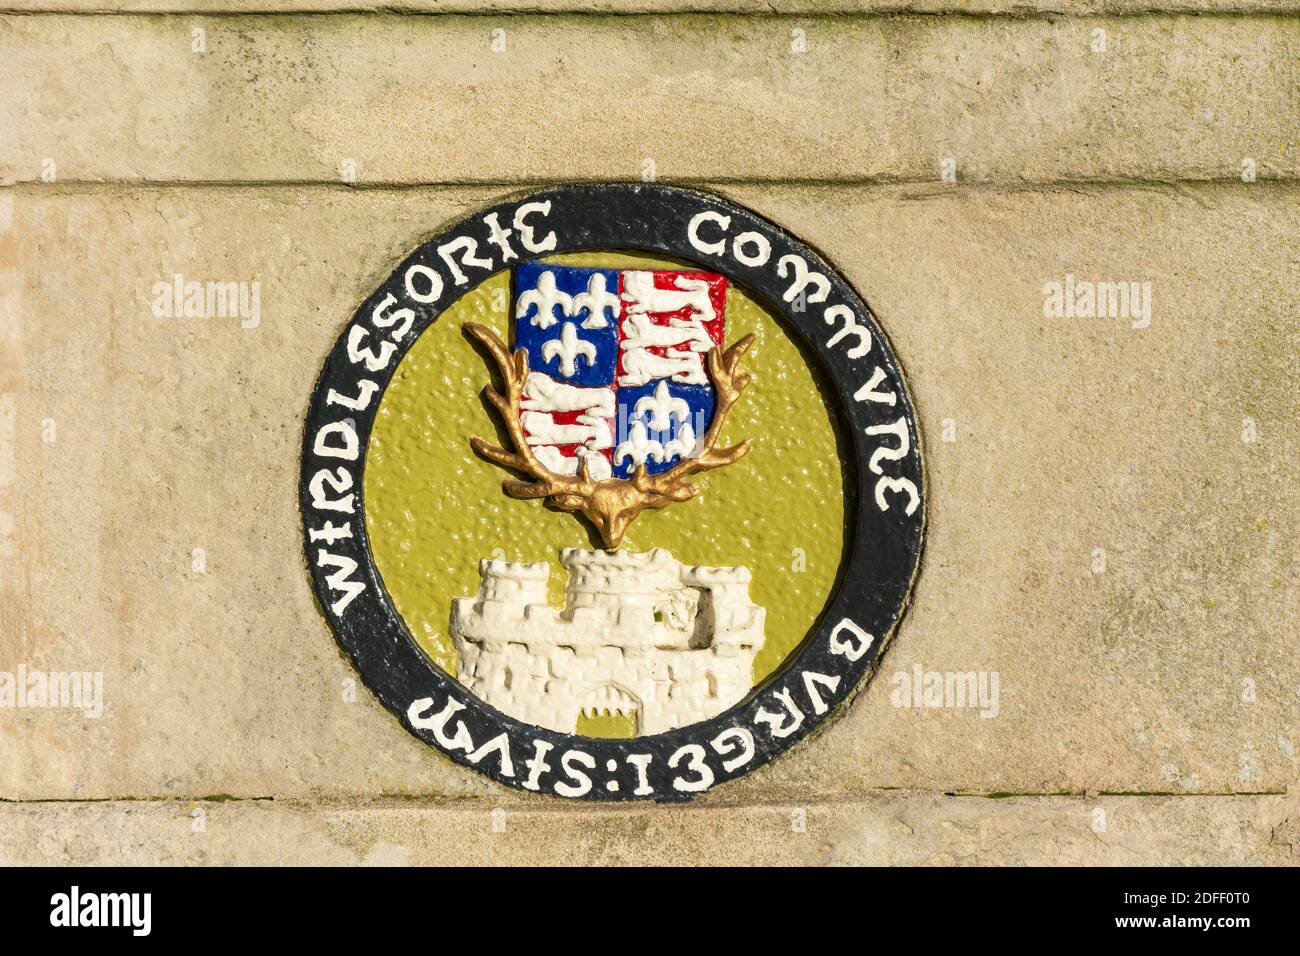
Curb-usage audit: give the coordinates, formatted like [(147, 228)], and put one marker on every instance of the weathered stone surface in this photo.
[(766, 7), (1174, 669), (426, 100), (899, 829)]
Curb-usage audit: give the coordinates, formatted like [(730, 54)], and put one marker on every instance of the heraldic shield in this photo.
[(617, 359)]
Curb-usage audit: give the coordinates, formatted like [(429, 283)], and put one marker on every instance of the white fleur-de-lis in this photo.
[(639, 447), (568, 348), (683, 445), (545, 297), (662, 406), (596, 300)]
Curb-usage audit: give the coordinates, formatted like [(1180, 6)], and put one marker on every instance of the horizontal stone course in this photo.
[(401, 99), (1172, 669), (810, 8), (883, 829)]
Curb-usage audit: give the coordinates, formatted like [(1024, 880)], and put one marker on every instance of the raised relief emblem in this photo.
[(613, 399), (705, 368)]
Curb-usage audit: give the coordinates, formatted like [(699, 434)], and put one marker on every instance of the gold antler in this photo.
[(613, 503)]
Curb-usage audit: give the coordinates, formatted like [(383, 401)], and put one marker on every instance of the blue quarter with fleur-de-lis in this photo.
[(567, 320), (659, 424)]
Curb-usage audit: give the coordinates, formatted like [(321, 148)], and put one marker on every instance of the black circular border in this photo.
[(875, 580)]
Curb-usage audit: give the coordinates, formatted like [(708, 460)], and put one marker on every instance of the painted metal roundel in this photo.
[(613, 492)]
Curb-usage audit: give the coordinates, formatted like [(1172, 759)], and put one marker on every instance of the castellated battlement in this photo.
[(639, 634), (512, 583)]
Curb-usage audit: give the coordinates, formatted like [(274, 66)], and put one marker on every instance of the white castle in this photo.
[(640, 635)]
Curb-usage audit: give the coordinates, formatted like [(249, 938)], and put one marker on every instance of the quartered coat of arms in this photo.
[(613, 401), (613, 492)]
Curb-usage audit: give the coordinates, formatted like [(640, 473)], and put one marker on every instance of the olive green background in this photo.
[(434, 509)]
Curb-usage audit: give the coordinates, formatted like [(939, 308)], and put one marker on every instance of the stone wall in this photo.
[(1113, 501)]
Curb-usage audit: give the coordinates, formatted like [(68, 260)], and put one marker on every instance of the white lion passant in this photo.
[(598, 464), (641, 296), (640, 332), (544, 394), (540, 428), (641, 366)]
